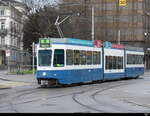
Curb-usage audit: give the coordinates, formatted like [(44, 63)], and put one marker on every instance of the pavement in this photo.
[(29, 78), (9, 81)]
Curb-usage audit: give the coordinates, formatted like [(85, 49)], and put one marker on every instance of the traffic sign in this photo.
[(122, 2), (7, 53)]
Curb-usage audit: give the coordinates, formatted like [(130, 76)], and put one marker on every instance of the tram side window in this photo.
[(69, 57), (129, 60), (89, 57), (120, 63), (59, 58), (141, 59), (76, 57), (135, 59), (110, 62), (107, 62), (83, 57), (114, 62), (96, 58)]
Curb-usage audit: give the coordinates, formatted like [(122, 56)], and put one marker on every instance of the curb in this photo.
[(4, 87)]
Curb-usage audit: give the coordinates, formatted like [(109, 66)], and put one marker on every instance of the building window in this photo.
[(2, 12), (2, 41), (2, 25)]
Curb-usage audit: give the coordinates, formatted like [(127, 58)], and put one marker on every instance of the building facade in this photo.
[(12, 17), (130, 23)]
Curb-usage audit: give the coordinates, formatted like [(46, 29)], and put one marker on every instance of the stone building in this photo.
[(12, 17), (131, 22)]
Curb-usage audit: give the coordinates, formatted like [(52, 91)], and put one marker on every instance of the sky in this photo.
[(36, 4), (50, 1)]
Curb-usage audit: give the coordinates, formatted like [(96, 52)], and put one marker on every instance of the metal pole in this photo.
[(118, 36), (93, 24), (8, 64), (8, 59), (33, 48)]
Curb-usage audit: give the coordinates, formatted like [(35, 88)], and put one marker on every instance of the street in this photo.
[(22, 94)]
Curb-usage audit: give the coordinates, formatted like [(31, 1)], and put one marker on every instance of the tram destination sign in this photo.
[(45, 42)]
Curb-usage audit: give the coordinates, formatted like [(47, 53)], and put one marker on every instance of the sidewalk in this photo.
[(29, 78)]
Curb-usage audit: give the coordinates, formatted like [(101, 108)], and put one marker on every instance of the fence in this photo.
[(19, 60)]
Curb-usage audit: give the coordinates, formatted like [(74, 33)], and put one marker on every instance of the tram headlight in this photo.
[(44, 74)]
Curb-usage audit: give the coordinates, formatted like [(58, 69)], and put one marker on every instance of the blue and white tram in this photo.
[(113, 63), (68, 61), (134, 63)]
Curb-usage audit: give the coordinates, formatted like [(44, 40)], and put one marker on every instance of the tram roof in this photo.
[(130, 48), (89, 43), (70, 41)]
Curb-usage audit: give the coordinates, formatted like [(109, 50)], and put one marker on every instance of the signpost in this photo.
[(7, 53), (8, 56), (122, 2)]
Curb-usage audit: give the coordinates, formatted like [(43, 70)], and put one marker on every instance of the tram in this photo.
[(65, 61)]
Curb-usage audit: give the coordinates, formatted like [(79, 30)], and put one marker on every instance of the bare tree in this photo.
[(40, 24)]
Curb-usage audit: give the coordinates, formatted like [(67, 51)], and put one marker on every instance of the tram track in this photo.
[(93, 97), (10, 102), (74, 97), (137, 104), (96, 88)]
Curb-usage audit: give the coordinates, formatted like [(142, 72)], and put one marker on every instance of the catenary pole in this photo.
[(33, 53), (93, 34)]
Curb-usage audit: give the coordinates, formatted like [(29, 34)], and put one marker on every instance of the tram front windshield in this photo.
[(45, 57)]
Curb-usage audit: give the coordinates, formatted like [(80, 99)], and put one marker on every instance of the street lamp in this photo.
[(145, 34)]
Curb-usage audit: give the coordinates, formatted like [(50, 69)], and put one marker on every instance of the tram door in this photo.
[(113, 64)]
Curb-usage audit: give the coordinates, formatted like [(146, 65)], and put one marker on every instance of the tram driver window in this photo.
[(59, 58)]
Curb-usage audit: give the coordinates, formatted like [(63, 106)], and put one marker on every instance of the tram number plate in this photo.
[(44, 82)]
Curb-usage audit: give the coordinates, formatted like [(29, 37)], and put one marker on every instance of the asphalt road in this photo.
[(122, 96)]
